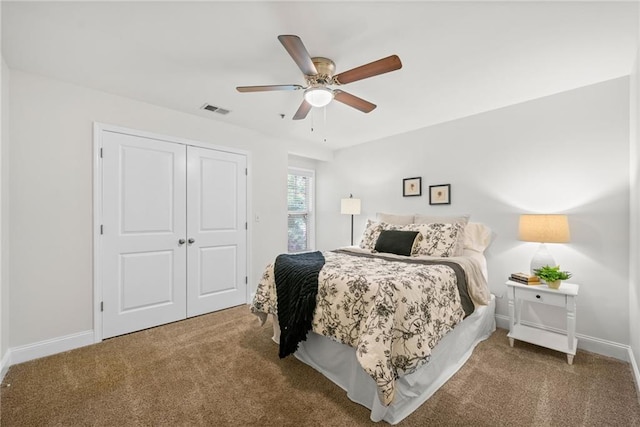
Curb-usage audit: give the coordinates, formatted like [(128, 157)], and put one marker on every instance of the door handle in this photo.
[(181, 242), (192, 241)]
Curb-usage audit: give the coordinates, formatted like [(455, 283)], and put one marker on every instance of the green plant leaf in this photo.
[(551, 274)]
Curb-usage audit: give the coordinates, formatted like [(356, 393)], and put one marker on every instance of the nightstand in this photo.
[(564, 297)]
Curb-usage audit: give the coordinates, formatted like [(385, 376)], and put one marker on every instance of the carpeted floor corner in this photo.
[(223, 369)]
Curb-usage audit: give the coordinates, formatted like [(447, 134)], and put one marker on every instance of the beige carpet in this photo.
[(222, 369)]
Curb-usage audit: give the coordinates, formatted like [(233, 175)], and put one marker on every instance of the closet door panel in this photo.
[(216, 218), (147, 190), (215, 279), (144, 265), (219, 205), (146, 279)]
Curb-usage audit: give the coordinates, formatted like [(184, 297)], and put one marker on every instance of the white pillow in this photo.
[(477, 236), (394, 219)]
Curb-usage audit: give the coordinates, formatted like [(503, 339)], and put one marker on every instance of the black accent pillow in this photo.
[(396, 242)]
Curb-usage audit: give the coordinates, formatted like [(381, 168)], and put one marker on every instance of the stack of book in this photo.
[(525, 278)]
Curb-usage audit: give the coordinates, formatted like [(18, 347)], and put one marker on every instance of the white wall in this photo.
[(564, 153), (4, 216), (634, 252), (302, 162), (51, 196), (3, 94)]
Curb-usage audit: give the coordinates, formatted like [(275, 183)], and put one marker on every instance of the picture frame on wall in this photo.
[(412, 187), (440, 194)]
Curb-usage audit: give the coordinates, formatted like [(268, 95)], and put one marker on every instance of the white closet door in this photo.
[(216, 218), (144, 218)]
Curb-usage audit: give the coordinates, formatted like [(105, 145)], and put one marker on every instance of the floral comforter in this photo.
[(392, 312)]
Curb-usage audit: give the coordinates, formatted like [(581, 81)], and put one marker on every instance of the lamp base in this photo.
[(351, 230), (542, 258)]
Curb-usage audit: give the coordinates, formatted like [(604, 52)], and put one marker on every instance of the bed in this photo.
[(392, 319)]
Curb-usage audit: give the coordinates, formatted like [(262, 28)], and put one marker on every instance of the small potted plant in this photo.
[(552, 275)]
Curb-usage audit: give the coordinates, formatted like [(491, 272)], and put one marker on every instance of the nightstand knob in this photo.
[(538, 296)]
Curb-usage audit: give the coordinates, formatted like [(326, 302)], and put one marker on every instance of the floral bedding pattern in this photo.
[(392, 312), (441, 240)]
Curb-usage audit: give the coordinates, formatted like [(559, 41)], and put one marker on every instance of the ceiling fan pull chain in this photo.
[(312, 116), (324, 126)]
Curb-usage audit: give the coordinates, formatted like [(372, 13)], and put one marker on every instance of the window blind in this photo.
[(299, 209)]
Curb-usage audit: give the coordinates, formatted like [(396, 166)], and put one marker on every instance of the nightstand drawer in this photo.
[(559, 300)]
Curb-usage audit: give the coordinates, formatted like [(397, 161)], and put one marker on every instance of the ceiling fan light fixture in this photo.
[(318, 96)]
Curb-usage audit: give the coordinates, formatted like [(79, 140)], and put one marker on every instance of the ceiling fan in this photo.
[(319, 74)]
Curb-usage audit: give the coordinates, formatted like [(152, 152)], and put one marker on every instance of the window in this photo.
[(300, 221)]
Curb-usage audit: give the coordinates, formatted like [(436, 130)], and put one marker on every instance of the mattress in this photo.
[(339, 364)]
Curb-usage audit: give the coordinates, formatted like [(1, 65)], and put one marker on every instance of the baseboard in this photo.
[(635, 370), (48, 347), (604, 347), (502, 321), (585, 342), (4, 364)]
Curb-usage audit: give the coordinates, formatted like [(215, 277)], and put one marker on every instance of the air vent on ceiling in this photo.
[(215, 109)]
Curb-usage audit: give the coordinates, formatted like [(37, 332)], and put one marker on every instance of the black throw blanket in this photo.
[(296, 279)]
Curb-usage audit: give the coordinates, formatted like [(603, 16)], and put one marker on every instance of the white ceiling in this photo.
[(459, 58)]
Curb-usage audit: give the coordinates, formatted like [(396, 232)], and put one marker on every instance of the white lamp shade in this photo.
[(544, 228), (350, 206), (318, 96)]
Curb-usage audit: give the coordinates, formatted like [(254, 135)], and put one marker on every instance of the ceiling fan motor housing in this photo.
[(326, 68)]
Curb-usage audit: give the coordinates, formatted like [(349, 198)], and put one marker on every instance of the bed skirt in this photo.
[(339, 364)]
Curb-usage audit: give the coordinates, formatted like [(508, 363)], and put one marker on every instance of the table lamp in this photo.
[(543, 229)]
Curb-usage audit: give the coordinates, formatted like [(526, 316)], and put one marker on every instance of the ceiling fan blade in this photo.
[(299, 53), (267, 88), (303, 110), (353, 101), (381, 66)]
